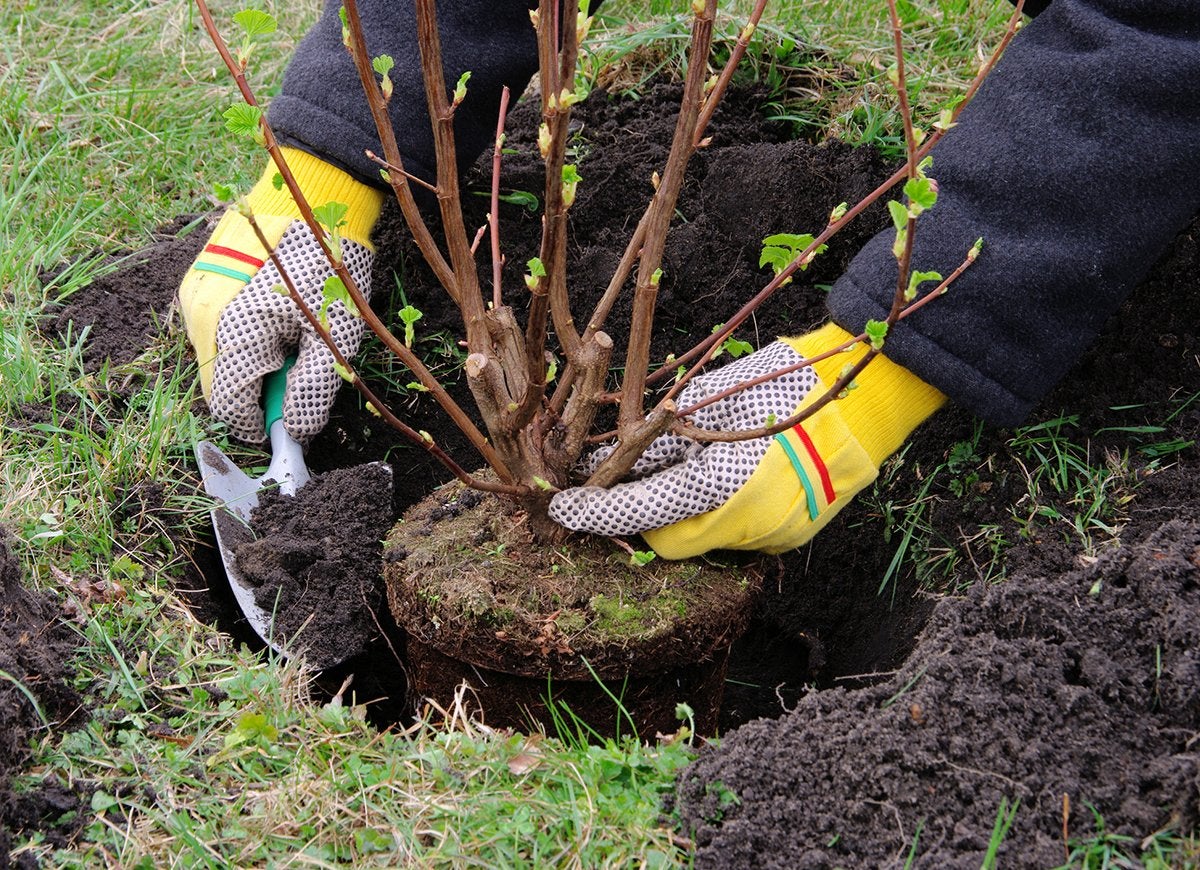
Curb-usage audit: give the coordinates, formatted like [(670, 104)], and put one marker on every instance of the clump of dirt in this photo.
[(465, 575), (1084, 684), (314, 562), (35, 694), (126, 308)]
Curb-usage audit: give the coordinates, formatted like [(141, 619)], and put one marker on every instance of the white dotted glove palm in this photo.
[(243, 329), (260, 327)]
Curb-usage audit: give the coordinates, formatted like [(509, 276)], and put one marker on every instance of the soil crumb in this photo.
[(315, 557), (1084, 684), (35, 694)]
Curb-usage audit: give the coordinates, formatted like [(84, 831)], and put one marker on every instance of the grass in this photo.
[(201, 753)]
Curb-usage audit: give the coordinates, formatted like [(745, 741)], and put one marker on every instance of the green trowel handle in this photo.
[(274, 386)]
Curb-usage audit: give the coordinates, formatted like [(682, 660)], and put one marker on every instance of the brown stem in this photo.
[(494, 215), (387, 137), (735, 57), (632, 445), (689, 430), (645, 295), (554, 300), (854, 211), (938, 291), (441, 115)]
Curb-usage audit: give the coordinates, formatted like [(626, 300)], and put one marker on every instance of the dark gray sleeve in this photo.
[(321, 108), (1078, 163)]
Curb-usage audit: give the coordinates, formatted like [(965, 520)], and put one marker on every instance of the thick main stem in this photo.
[(637, 357)]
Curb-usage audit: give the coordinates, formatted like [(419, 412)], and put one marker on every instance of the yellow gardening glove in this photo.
[(768, 494), (242, 329)]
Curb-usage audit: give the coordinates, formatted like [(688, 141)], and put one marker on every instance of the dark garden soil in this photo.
[(1078, 674), (35, 695)]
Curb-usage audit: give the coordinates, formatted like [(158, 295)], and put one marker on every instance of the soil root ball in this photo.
[(1085, 684), (469, 584)]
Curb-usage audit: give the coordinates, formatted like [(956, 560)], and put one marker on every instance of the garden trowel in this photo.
[(237, 495)]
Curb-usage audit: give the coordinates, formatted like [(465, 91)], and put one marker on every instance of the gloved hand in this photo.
[(242, 329), (769, 494)]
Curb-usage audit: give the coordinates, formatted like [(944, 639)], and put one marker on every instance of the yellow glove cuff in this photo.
[(807, 475), (887, 402)]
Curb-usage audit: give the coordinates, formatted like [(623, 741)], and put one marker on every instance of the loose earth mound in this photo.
[(1056, 666)]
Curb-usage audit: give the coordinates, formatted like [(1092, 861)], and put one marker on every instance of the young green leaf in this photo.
[(915, 279), (244, 120), (642, 558), (331, 215), (255, 22), (899, 214), (571, 179), (223, 192), (409, 315), (460, 89), (735, 347), (417, 387), (277, 181), (536, 272), (781, 249), (876, 331), (921, 193), (383, 65), (334, 290)]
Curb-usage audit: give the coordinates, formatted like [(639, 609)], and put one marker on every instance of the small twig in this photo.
[(732, 324), (735, 58), (842, 383), (494, 216), (416, 179)]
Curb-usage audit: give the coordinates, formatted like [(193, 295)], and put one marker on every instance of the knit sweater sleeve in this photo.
[(1078, 164)]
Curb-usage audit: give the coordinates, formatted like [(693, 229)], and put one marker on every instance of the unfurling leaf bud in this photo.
[(697, 7), (655, 179), (975, 249), (344, 373), (460, 89), (838, 213), (544, 140), (570, 180)]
